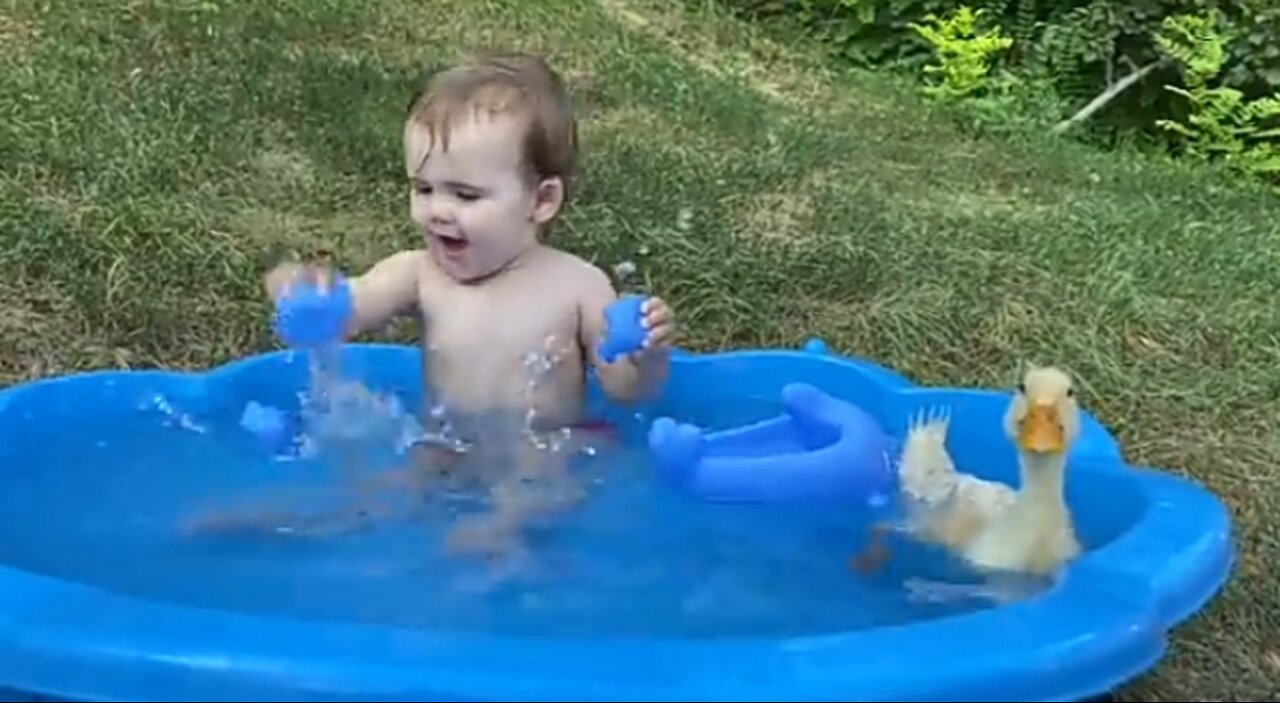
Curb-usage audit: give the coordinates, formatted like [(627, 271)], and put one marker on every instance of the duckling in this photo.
[(990, 524), (945, 506)]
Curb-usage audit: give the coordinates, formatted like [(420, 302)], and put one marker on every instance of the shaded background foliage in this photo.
[(1071, 48)]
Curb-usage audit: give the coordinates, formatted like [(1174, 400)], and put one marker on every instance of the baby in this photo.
[(490, 152)]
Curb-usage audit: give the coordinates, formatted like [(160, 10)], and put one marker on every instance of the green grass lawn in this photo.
[(155, 154)]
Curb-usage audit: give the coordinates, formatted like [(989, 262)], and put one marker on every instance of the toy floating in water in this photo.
[(822, 448), (1157, 547), (310, 314), (626, 332)]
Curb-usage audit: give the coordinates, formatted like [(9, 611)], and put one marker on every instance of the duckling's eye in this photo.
[(1071, 392), (1022, 388)]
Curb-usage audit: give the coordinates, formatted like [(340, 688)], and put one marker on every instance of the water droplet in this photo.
[(684, 219), (624, 269)]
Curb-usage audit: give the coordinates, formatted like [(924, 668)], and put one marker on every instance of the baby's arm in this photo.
[(630, 378), (385, 291)]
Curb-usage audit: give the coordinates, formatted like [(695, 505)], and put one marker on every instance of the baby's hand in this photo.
[(660, 321), (278, 280)]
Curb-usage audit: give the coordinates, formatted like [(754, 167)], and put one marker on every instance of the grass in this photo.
[(157, 154)]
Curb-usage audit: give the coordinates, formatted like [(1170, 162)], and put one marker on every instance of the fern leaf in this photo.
[(1269, 166), (1177, 128), (1264, 108), (1196, 43)]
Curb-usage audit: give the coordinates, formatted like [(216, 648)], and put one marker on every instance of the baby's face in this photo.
[(477, 210)]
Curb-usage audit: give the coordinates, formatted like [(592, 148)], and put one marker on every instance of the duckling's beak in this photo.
[(1041, 430)]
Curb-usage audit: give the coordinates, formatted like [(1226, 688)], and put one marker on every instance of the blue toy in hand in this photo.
[(626, 331), (311, 314)]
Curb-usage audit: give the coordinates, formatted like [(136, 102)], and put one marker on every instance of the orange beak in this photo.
[(1041, 430)]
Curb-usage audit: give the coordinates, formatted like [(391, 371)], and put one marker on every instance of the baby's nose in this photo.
[(440, 210)]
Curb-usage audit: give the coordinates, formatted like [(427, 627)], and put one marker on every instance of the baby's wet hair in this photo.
[(506, 83)]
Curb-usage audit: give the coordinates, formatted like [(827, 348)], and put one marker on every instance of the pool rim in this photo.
[(1118, 602)]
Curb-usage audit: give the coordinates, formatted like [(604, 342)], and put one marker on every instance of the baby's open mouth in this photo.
[(451, 244)]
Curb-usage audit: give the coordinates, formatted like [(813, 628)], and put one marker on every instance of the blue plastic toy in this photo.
[(822, 448), (626, 328), (80, 625), (309, 316)]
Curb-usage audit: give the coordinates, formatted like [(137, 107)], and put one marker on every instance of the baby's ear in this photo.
[(548, 199)]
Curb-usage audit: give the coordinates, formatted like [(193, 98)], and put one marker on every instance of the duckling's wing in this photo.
[(925, 468)]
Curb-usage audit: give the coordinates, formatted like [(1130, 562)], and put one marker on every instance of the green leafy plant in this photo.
[(1077, 49), (1221, 123), (963, 53)]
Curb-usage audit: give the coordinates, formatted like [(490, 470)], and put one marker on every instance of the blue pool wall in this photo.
[(1149, 579)]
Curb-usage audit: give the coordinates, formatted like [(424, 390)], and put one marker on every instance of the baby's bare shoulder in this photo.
[(576, 272)]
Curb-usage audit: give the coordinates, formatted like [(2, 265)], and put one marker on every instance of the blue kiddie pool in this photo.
[(127, 574)]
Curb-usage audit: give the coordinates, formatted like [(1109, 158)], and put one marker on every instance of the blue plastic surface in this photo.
[(626, 331), (821, 449), (1158, 547), (309, 316)]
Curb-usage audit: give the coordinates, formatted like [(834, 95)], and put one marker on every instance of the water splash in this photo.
[(343, 414), (171, 414), (999, 589), (516, 463), (626, 275), (438, 432), (534, 479), (538, 366)]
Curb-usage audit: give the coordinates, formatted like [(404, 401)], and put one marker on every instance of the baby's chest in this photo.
[(485, 325)]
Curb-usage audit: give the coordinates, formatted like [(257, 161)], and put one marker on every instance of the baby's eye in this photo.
[(422, 188), (468, 195)]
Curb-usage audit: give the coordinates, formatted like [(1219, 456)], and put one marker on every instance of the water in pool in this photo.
[(194, 510)]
